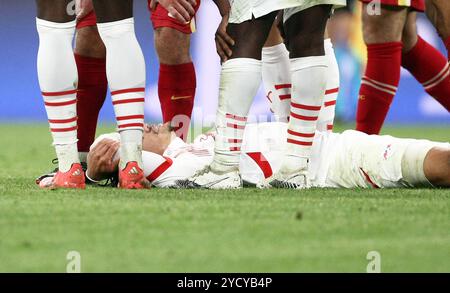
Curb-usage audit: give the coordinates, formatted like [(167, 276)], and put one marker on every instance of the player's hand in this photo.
[(83, 8), (181, 10), (101, 160), (224, 42)]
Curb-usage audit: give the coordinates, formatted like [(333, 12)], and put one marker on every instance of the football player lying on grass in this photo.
[(348, 160)]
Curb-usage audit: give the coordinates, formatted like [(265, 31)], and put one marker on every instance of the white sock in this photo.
[(309, 78), (276, 76), (240, 81), (327, 113), (125, 68), (58, 77)]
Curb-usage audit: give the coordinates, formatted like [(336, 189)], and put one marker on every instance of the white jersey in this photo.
[(243, 10), (348, 160)]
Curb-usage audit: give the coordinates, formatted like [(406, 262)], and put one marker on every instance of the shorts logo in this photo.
[(362, 97), (387, 152)]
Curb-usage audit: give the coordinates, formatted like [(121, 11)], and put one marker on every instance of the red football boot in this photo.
[(132, 177), (74, 178)]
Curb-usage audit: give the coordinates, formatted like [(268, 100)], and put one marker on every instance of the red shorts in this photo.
[(418, 5), (160, 18)]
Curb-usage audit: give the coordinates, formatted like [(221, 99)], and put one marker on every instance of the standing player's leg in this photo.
[(438, 11), (177, 78), (325, 122), (382, 35), (57, 75), (125, 68), (305, 32), (276, 74), (240, 81), (90, 56), (426, 63)]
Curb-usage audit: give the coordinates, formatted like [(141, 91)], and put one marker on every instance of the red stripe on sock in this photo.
[(57, 94), (63, 120), (303, 143), (285, 97), (235, 149), (121, 118), (306, 118), (332, 91), (160, 170), (374, 83), (63, 129), (299, 134), (262, 163), (235, 117), (330, 103), (330, 127), (140, 125), (283, 86), (126, 91), (235, 126), (306, 107), (137, 100), (232, 140), (60, 104)]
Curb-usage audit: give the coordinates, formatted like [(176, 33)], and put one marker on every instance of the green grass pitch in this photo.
[(205, 231)]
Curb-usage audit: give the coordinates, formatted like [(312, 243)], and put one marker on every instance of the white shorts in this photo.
[(368, 161), (288, 12), (243, 10)]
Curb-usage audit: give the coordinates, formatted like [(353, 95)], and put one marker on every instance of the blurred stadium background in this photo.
[(21, 102)]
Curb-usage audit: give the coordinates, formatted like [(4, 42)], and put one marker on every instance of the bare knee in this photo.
[(384, 27), (410, 37), (305, 31), (172, 46), (89, 43), (438, 12), (437, 167), (274, 37)]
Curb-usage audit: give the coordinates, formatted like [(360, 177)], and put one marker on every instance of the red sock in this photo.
[(431, 69), (92, 86), (447, 45), (176, 90), (378, 86)]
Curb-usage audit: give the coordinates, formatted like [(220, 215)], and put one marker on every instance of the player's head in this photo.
[(157, 137)]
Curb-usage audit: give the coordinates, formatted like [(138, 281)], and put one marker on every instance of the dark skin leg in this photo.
[(305, 31), (113, 10), (55, 10), (89, 43), (250, 36)]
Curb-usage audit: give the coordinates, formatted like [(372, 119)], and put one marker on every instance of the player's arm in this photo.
[(101, 160), (224, 42)]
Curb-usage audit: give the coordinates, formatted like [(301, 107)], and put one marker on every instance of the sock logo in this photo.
[(174, 98)]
